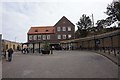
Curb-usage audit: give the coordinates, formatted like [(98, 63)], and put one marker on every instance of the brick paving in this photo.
[(62, 64)]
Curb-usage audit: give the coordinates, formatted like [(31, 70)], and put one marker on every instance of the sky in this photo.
[(16, 17)]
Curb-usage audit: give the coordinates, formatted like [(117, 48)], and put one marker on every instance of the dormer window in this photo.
[(36, 30), (46, 30)]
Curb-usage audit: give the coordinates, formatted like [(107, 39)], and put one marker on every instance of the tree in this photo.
[(113, 11), (109, 21), (84, 24), (77, 34), (100, 24)]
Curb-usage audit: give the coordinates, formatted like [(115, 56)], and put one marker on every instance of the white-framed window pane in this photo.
[(59, 36), (69, 28), (64, 36), (48, 37), (30, 37), (58, 28), (39, 37), (64, 28), (69, 36), (35, 37), (44, 37)]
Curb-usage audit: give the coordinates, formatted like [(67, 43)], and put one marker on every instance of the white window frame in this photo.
[(35, 37), (30, 37), (69, 28), (48, 37), (39, 37), (69, 36), (59, 36), (44, 37), (64, 36), (58, 28), (63, 28)]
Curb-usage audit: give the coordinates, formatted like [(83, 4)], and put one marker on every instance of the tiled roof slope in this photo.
[(42, 30)]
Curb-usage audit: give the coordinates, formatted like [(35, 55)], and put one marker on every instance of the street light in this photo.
[(94, 32), (94, 41)]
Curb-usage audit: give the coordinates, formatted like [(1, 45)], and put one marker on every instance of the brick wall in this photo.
[(107, 40)]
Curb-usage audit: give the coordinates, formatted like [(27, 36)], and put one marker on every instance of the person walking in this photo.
[(10, 52), (51, 48)]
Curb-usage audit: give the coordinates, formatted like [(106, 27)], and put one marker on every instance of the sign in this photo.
[(97, 41)]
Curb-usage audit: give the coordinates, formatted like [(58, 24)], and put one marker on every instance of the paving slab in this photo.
[(62, 64)]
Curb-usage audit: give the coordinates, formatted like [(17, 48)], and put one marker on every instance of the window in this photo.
[(59, 36), (30, 37), (69, 36), (36, 30), (14, 47), (64, 36), (39, 37), (69, 28), (35, 37), (46, 30), (44, 37), (64, 28), (6, 47), (58, 28), (48, 37)]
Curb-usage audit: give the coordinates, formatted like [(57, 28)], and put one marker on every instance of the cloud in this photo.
[(14, 24), (18, 17), (1, 18)]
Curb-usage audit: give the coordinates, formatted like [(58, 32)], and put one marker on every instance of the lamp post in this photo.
[(94, 32), (94, 41)]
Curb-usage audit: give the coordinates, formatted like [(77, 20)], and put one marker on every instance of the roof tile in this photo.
[(42, 30)]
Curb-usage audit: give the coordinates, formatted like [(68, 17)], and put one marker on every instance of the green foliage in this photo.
[(46, 46), (81, 33), (113, 11), (101, 24), (84, 24), (77, 34)]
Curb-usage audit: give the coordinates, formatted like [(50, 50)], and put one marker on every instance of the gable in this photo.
[(64, 22)]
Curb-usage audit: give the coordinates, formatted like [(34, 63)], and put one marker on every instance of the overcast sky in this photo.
[(17, 17)]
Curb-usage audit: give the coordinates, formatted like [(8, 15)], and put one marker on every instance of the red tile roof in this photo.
[(42, 30)]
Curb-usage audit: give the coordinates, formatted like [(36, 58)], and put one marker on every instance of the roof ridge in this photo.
[(41, 26)]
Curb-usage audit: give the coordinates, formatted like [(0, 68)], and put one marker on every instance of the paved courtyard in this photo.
[(62, 64)]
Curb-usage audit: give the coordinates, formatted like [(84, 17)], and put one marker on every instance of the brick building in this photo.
[(63, 30)]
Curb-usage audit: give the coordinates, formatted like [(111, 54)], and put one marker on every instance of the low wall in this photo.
[(107, 42)]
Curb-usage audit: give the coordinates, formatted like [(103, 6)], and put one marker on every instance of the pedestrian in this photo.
[(24, 50), (10, 52), (52, 47), (27, 50)]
